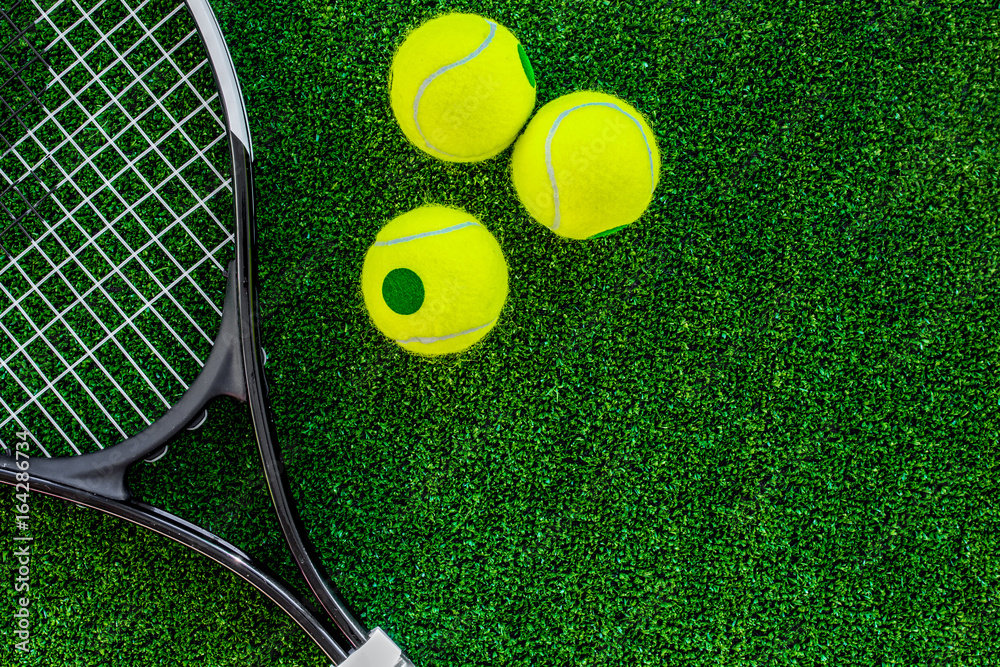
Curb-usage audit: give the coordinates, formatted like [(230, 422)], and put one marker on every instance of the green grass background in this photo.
[(759, 427)]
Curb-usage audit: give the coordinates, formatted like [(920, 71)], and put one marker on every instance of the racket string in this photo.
[(15, 74), (111, 300)]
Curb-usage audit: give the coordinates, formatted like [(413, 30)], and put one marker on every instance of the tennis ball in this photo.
[(435, 280), (461, 87), (586, 165)]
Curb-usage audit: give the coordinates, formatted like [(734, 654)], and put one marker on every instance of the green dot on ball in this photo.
[(608, 232), (403, 291), (526, 64)]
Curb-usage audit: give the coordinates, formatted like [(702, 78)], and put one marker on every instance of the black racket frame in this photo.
[(234, 368)]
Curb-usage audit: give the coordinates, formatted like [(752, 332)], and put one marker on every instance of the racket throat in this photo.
[(103, 472)]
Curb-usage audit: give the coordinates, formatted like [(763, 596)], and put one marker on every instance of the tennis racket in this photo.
[(127, 277)]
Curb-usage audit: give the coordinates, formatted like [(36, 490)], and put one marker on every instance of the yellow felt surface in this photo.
[(600, 160), (464, 274), (472, 111)]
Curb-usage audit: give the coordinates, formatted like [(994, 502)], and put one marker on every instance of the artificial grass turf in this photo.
[(758, 427)]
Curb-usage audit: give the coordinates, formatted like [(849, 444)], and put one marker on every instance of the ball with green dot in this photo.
[(434, 280)]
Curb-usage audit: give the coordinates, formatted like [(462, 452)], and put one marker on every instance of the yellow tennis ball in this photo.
[(587, 165), (461, 88), (435, 280)]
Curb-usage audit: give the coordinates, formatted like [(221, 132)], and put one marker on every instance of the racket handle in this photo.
[(378, 651)]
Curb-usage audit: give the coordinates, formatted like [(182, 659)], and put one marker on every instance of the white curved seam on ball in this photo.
[(435, 232), (427, 340), (548, 153), (430, 79)]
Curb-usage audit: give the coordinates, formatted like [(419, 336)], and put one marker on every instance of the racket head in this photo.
[(125, 248)]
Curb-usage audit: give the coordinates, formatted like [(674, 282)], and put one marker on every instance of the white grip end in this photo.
[(378, 651)]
